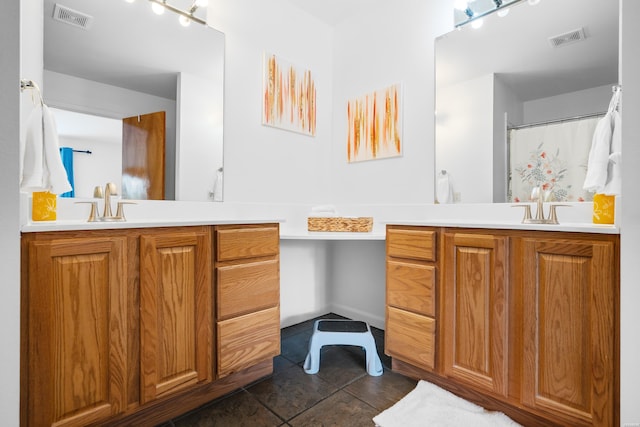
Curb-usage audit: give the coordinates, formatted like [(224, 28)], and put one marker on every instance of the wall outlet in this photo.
[(457, 197)]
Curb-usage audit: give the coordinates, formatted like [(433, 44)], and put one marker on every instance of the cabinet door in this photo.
[(175, 311), (475, 310), (76, 331), (569, 294)]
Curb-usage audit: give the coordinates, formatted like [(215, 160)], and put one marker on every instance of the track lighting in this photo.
[(186, 16)]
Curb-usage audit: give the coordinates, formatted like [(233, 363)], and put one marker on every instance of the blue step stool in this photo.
[(342, 332)]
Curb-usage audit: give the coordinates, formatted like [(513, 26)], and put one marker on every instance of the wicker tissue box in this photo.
[(337, 223)]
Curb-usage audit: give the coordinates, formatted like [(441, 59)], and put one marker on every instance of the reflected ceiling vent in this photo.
[(72, 17), (568, 38)]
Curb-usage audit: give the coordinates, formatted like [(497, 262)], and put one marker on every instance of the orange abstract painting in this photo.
[(289, 96), (375, 125)]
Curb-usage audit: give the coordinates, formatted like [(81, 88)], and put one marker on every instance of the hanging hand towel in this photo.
[(42, 167), (614, 171), (598, 169)]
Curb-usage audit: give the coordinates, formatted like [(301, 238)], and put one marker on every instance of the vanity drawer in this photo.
[(243, 288), (247, 340), (410, 337), (246, 242), (411, 286), (412, 243)]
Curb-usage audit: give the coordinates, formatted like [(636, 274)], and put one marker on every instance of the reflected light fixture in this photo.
[(533, 2), (185, 16), (158, 8)]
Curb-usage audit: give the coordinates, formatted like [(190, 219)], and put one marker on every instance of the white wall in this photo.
[(506, 107), (261, 163), (630, 215), (465, 137), (385, 45), (572, 104), (20, 28), (199, 148)]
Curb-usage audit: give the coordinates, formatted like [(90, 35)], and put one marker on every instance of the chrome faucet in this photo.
[(539, 196)]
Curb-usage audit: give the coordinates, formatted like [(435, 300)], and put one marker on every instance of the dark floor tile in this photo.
[(295, 347), (340, 409), (281, 363), (291, 391), (238, 409), (383, 391), (339, 367)]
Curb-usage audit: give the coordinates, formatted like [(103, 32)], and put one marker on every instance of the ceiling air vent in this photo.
[(567, 38), (72, 17)]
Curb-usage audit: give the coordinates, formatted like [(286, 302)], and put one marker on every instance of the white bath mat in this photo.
[(429, 405)]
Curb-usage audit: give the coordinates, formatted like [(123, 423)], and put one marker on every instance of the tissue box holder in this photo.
[(354, 225)]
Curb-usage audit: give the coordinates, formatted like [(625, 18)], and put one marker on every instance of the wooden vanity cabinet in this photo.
[(570, 299), (247, 272), (131, 327), (411, 295), (526, 322), (474, 313), (75, 370), (176, 310)]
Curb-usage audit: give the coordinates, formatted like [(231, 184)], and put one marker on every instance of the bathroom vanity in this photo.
[(133, 326), (521, 321)]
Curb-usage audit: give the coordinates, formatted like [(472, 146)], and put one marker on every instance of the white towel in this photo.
[(42, 167), (603, 169), (599, 155), (614, 168), (431, 405)]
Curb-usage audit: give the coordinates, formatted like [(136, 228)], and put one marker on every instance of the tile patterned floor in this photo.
[(340, 394)]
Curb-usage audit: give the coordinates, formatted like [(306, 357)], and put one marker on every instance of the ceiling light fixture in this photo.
[(186, 16)]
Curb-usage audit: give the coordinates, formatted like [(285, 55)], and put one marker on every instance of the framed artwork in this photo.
[(375, 125), (289, 96)]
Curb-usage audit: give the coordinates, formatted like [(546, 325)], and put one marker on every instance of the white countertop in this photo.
[(567, 227), (75, 225), (293, 218)]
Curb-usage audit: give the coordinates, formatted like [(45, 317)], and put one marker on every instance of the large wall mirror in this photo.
[(126, 67), (536, 67)]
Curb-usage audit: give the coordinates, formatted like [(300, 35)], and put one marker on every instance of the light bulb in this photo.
[(477, 23), (201, 3), (158, 9), (503, 12), (184, 21)]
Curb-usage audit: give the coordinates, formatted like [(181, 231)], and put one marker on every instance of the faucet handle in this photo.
[(93, 214), (527, 212), (553, 217), (97, 192), (120, 210)]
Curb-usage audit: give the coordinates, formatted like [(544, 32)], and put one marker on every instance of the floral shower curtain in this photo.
[(553, 156)]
